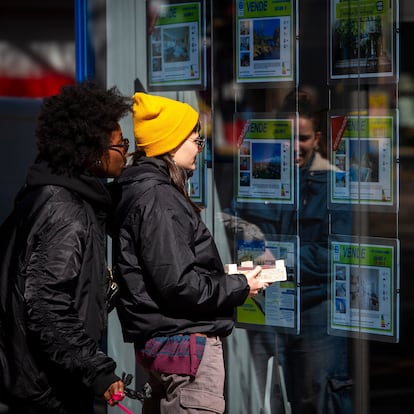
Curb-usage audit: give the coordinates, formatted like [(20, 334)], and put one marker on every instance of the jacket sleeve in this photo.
[(186, 270), (51, 272)]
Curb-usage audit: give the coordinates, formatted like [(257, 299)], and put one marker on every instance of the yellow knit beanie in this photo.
[(161, 124)]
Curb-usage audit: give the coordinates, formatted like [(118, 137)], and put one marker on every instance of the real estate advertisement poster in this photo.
[(363, 39), (364, 152), (277, 305), (265, 44), (175, 46), (196, 183), (264, 167), (365, 287)]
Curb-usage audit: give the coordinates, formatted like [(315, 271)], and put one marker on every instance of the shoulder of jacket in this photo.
[(56, 193), (65, 204)]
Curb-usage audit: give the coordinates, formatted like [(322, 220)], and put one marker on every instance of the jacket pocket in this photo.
[(203, 400)]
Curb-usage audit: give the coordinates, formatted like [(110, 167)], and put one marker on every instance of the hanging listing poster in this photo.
[(195, 184), (362, 39), (364, 292), (264, 41), (363, 153), (265, 162), (175, 57), (276, 305)]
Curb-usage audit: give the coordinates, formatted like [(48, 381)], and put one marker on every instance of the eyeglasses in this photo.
[(200, 141), (124, 145)]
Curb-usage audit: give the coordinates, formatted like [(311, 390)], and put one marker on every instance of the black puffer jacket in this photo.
[(52, 295), (171, 277)]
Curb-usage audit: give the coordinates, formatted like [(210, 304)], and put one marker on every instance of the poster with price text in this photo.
[(264, 167), (176, 56), (265, 44), (277, 305), (363, 39), (364, 154), (364, 294), (196, 183)]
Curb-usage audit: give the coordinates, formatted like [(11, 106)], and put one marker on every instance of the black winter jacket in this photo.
[(52, 298), (171, 276)]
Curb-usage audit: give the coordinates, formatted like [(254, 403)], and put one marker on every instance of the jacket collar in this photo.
[(90, 188), (318, 163)]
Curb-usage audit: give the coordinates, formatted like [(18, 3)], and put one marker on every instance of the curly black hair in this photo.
[(75, 126)]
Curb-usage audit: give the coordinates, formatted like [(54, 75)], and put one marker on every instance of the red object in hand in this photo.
[(118, 397)]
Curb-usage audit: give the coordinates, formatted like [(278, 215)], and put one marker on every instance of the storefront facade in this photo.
[(307, 107), (251, 68)]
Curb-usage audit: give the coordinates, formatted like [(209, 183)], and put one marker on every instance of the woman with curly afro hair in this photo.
[(75, 127), (53, 275)]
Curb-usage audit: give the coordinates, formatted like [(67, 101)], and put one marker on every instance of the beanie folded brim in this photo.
[(161, 124)]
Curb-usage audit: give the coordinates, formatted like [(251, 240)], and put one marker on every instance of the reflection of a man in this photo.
[(315, 364)]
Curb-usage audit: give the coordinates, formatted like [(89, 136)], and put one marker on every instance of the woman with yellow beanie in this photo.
[(176, 300)]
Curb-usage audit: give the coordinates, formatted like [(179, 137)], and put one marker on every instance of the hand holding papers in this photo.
[(269, 273)]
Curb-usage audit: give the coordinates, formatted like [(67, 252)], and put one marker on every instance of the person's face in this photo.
[(114, 160), (308, 140), (185, 155)]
